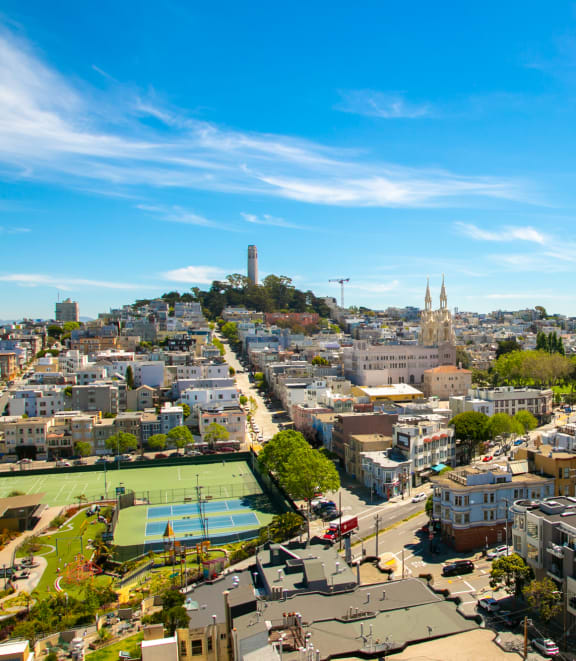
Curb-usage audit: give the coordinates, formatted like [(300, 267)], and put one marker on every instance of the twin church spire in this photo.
[(436, 325)]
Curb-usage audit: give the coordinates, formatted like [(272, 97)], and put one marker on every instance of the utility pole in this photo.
[(525, 637), (341, 281), (377, 520)]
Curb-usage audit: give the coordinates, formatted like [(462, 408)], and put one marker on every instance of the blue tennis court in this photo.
[(194, 525), (210, 506)]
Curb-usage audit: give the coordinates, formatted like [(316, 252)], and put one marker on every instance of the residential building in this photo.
[(8, 366), (386, 474), (558, 464), (37, 401), (169, 417), (148, 373), (357, 445), (232, 418), (544, 534), (89, 374), (347, 425), (96, 397), (67, 310), (472, 505), (506, 399), (16, 650), (400, 392), (427, 442), (446, 381), (30, 432), (141, 398), (301, 318)]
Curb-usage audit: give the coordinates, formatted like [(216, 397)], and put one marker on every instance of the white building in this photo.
[(170, 417), (506, 399), (148, 373), (38, 401), (386, 474), (71, 361)]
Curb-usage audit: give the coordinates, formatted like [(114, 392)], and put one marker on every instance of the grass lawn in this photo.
[(110, 653), (67, 538), (227, 479)]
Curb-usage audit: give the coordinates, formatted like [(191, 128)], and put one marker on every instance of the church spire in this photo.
[(443, 297), (428, 297)]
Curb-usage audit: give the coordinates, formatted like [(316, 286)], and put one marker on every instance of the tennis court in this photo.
[(175, 511), (153, 484), (220, 523)]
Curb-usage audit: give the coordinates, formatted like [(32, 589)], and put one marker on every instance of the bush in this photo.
[(57, 521)]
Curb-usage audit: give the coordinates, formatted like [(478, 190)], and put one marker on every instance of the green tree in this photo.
[(83, 448), (121, 442), (282, 527), (157, 441), (130, 378), (186, 410), (319, 360), (308, 472), (507, 346), (527, 420), (429, 508), (277, 452), (69, 326), (500, 424), (231, 371), (544, 597), (511, 573), (180, 437), (54, 332), (541, 311), (215, 433), (470, 425), (463, 358), (175, 618), (243, 400)]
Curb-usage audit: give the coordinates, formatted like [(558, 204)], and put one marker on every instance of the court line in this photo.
[(179, 475)]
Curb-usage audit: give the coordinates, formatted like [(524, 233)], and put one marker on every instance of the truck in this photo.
[(341, 528)]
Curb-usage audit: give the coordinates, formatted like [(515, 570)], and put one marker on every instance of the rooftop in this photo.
[(393, 390), (447, 369)]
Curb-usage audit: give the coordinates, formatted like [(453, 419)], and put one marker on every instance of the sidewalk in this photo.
[(47, 516)]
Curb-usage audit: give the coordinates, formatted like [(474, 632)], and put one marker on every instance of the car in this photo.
[(63, 464), (142, 457), (497, 452), (458, 567), (498, 552), (488, 604), (323, 504), (331, 514), (101, 460), (419, 497), (519, 441), (546, 646), (80, 462), (488, 457), (509, 618), (25, 460), (160, 455)]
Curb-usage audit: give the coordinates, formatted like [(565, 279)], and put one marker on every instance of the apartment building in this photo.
[(148, 373), (506, 399), (386, 474), (357, 446), (196, 398), (233, 419), (367, 364), (472, 505), (427, 442), (96, 397), (38, 401), (347, 425), (67, 310), (87, 375), (141, 398), (544, 534), (8, 366), (446, 381), (559, 464), (31, 433)]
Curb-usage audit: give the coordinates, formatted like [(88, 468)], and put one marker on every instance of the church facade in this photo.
[(436, 325)]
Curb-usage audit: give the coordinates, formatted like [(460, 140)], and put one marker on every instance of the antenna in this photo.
[(341, 281)]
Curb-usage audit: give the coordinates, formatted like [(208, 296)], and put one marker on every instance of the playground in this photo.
[(153, 484)]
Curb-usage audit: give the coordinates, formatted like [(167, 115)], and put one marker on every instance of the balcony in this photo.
[(556, 550), (555, 571)]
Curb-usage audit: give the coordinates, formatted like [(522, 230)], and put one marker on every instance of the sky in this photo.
[(145, 145)]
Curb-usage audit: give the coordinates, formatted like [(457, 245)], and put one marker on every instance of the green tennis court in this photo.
[(153, 484)]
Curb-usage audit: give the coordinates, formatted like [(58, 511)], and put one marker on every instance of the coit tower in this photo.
[(253, 265)]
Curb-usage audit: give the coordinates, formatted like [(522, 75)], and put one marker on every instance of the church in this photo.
[(436, 325)]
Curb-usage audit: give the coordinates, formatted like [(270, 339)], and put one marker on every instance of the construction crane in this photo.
[(341, 281)]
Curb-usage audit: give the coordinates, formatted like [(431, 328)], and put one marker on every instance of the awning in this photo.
[(438, 467)]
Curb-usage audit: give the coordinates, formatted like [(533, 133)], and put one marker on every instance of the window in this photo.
[(209, 644), (196, 647), (488, 498), (489, 515), (183, 651), (447, 496)]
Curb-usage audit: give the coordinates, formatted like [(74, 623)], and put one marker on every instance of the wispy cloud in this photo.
[(386, 105), (201, 275), (63, 282), (50, 130), (503, 234), (14, 230), (270, 221), (176, 214)]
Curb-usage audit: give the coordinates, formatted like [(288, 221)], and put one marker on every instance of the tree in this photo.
[(175, 618), (470, 425), (130, 378), (319, 360), (83, 448), (527, 420), (214, 433), (544, 597), (463, 358), (69, 326), (231, 371), (507, 346), (429, 508), (180, 437), (511, 573), (186, 410), (541, 311), (157, 441), (282, 527), (121, 442), (277, 452), (500, 424)]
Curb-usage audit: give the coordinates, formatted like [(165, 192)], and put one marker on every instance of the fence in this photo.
[(190, 494), (136, 573)]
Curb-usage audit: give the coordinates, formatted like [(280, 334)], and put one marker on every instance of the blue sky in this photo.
[(144, 145)]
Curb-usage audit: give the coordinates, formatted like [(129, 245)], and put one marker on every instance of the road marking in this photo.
[(470, 586), (461, 592)]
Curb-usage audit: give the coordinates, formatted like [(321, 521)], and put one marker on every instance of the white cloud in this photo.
[(176, 214), (62, 282), (391, 105), (14, 230), (51, 131), (271, 221), (201, 275), (504, 234)]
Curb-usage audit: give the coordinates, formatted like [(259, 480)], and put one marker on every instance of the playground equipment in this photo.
[(80, 570)]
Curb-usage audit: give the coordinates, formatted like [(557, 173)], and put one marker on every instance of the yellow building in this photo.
[(560, 465), (359, 443), (397, 392)]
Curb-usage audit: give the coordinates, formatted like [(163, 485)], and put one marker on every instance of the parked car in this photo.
[(25, 460), (160, 455), (101, 460), (519, 441), (509, 618), (546, 646), (419, 497), (80, 462), (458, 567), (497, 452), (488, 604), (323, 504), (498, 552), (488, 457), (142, 457), (63, 464), (331, 514)]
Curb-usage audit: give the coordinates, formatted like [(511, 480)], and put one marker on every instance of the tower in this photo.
[(253, 265), (428, 297), (436, 325), (443, 297)]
